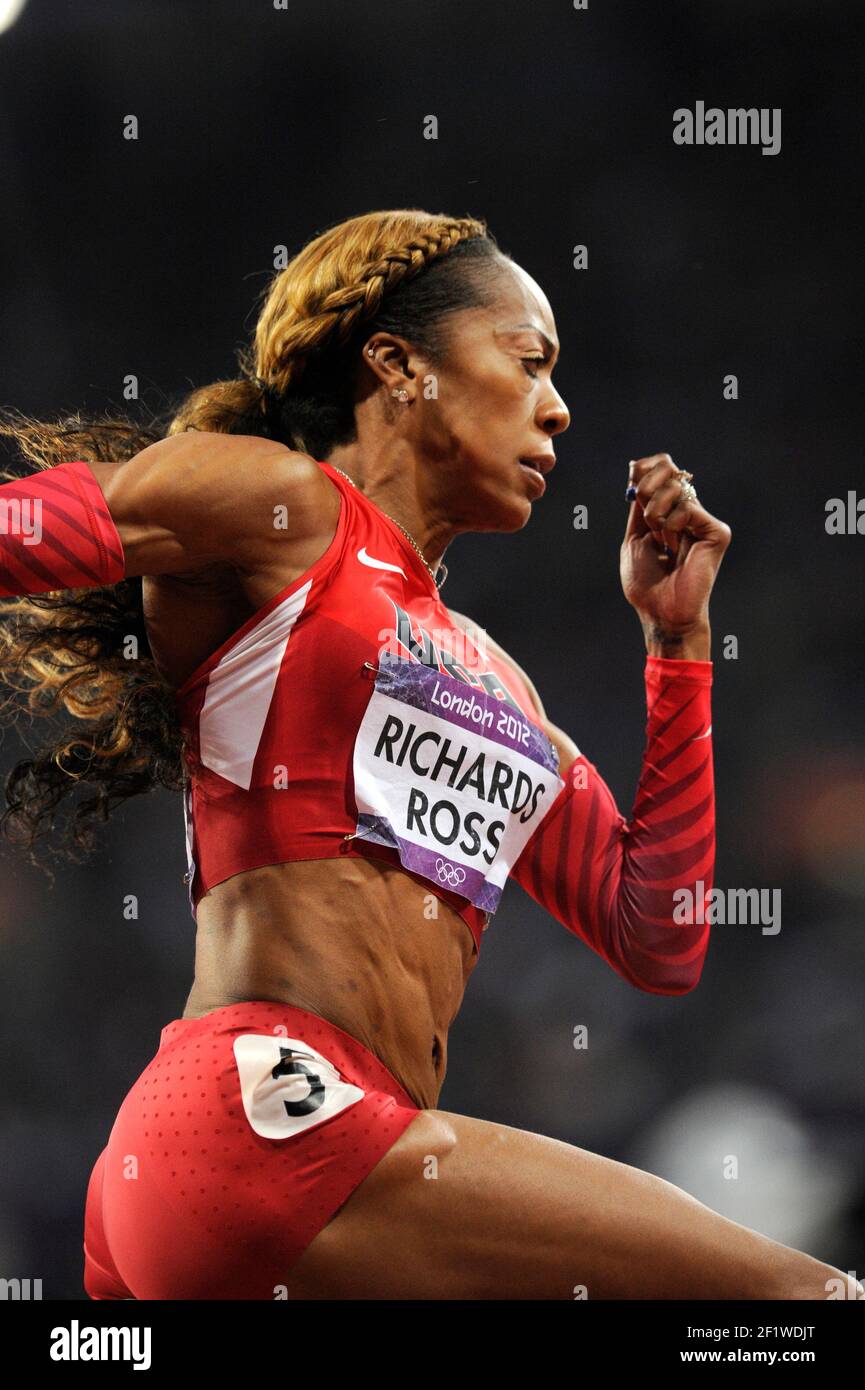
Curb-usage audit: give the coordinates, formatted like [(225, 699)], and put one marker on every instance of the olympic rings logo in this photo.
[(449, 873)]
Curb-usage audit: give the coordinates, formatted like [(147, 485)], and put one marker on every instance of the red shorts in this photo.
[(237, 1144)]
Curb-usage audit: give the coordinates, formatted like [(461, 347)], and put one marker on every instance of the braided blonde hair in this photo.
[(314, 308)]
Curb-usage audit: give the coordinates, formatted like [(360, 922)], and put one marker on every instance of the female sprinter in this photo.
[(361, 771)]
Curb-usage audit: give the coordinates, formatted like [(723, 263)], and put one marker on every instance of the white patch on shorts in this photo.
[(306, 1089)]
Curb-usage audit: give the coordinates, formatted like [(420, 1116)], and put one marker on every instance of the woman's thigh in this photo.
[(463, 1208)]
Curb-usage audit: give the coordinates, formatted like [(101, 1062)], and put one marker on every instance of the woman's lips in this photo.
[(535, 471), (543, 462)]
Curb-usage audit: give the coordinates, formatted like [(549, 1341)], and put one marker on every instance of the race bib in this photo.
[(451, 777), (287, 1086)]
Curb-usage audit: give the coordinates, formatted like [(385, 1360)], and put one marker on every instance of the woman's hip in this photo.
[(241, 1139)]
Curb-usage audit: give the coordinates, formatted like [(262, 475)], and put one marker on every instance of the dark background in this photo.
[(261, 127)]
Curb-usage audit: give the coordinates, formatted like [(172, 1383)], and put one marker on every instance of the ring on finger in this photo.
[(684, 478)]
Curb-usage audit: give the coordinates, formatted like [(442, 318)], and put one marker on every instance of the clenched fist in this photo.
[(669, 559)]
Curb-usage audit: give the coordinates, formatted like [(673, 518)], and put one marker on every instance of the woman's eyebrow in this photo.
[(550, 345)]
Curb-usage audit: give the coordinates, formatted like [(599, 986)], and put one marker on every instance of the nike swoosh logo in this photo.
[(697, 737), (378, 564)]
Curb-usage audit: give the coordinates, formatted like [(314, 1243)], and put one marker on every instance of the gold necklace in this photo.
[(409, 537)]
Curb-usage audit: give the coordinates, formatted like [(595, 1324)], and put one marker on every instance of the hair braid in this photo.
[(356, 303), (330, 315)]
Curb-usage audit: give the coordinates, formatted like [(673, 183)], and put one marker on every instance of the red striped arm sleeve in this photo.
[(636, 890), (56, 532)]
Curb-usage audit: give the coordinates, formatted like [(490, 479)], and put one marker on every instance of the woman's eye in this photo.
[(532, 359)]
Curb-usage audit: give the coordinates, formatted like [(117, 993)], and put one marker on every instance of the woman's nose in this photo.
[(554, 415)]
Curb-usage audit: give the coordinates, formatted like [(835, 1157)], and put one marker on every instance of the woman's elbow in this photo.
[(672, 982)]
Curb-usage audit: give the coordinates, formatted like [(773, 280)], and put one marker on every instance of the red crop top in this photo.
[(351, 715)]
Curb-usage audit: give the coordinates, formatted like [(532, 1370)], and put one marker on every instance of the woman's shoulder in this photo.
[(195, 497), (249, 471)]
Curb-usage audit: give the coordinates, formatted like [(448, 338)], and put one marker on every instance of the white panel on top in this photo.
[(240, 690)]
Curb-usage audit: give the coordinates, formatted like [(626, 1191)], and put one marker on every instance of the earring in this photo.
[(400, 392), (370, 352)]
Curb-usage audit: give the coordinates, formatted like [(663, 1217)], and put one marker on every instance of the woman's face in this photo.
[(496, 404)]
